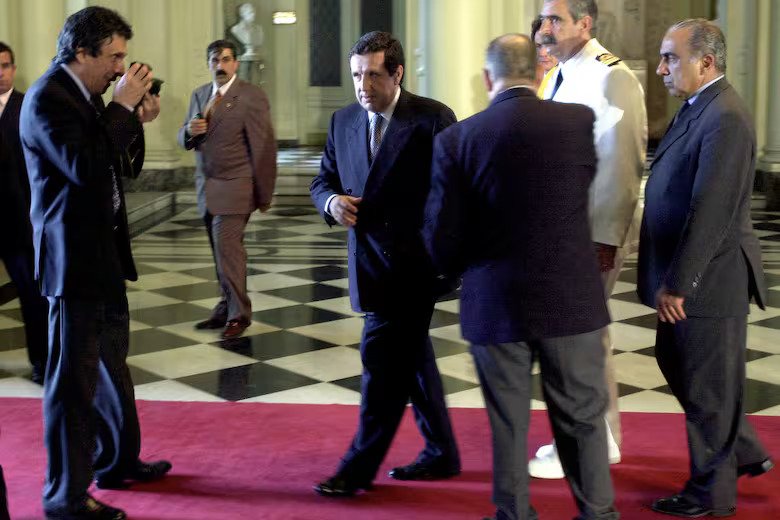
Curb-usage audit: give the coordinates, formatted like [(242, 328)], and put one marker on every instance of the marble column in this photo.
[(739, 20), (152, 44), (769, 162)]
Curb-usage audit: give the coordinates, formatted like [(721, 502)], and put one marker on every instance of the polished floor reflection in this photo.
[(302, 345)]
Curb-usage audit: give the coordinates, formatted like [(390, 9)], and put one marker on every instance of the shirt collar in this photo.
[(5, 97), (387, 114), (583, 54), (224, 88), (77, 80), (691, 100)]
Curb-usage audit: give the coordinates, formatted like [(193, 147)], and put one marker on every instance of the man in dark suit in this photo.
[(16, 238), (508, 210), (374, 180), (229, 127), (700, 264), (77, 149)]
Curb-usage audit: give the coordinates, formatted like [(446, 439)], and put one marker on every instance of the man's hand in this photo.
[(264, 207), (670, 306), (132, 87), (344, 209), (197, 126), (149, 108), (606, 256)]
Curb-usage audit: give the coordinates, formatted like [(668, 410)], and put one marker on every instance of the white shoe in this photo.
[(546, 464), (613, 450)]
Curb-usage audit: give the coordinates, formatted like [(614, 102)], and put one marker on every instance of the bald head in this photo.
[(511, 58)]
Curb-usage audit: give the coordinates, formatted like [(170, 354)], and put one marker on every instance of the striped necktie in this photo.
[(376, 134)]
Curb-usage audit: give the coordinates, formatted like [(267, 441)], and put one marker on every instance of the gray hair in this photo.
[(579, 9), (706, 38), (511, 57)]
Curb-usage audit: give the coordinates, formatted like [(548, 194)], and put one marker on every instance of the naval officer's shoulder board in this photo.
[(608, 59)]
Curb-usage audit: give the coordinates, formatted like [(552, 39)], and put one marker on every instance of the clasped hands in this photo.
[(133, 88)]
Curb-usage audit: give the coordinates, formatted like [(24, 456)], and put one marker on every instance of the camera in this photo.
[(156, 82)]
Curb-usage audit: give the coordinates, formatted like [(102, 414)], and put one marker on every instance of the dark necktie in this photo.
[(685, 106), (116, 200), (558, 81), (376, 134)]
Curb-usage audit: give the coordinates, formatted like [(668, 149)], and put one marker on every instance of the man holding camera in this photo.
[(77, 149), (229, 126)]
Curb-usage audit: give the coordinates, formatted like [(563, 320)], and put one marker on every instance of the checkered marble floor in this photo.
[(302, 344)]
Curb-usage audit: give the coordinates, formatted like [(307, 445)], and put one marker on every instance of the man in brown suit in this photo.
[(229, 126)]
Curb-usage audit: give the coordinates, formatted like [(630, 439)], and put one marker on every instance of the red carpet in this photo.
[(258, 461)]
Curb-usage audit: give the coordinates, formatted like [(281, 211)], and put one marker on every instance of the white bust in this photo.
[(248, 32)]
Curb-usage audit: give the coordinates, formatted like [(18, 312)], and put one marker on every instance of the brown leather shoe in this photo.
[(234, 328)]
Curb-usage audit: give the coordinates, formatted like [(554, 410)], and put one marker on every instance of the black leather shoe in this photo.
[(234, 328), (756, 468), (337, 486), (143, 472), (678, 505), (423, 471), (90, 509), (37, 375), (211, 323)]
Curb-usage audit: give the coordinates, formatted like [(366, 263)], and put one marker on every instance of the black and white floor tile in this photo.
[(302, 344)]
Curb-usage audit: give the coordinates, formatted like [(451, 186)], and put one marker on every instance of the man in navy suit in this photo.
[(700, 264), (77, 149), (374, 180), (508, 210), (16, 248)]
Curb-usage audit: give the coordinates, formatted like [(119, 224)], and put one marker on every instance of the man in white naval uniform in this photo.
[(588, 74)]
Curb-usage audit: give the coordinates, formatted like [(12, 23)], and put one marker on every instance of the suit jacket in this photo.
[(508, 208), (236, 157), (82, 249), (595, 78), (697, 237), (387, 260), (14, 186)]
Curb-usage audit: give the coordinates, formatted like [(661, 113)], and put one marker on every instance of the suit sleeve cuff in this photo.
[(327, 204)]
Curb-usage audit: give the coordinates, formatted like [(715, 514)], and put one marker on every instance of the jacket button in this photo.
[(695, 284)]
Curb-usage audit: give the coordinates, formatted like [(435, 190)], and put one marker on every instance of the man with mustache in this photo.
[(700, 265), (588, 74), (77, 150), (545, 61), (229, 127)]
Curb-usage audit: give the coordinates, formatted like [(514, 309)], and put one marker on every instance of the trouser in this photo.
[(572, 369), (399, 365), (90, 420), (703, 360), (226, 236), (612, 415), (19, 264)]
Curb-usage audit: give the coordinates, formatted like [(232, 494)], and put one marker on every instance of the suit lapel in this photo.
[(681, 126), (394, 141), (357, 142)]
